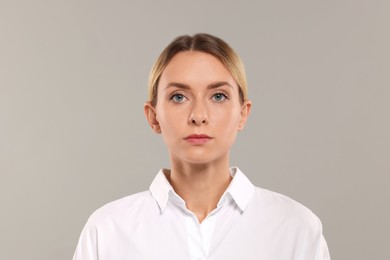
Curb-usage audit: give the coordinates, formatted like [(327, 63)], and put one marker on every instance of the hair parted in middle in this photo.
[(204, 43)]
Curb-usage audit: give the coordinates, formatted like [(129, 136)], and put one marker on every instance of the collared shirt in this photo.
[(248, 223)]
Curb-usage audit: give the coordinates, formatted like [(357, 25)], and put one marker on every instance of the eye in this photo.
[(219, 97), (178, 98)]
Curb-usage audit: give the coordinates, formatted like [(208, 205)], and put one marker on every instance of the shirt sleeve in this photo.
[(87, 246), (322, 251)]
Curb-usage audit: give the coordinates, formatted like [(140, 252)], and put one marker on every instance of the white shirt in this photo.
[(248, 223)]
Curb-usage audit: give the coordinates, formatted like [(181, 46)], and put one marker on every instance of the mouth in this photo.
[(198, 139)]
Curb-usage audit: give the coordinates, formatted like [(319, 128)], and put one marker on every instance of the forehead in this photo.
[(195, 68)]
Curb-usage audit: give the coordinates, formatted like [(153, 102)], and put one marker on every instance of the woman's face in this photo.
[(198, 110)]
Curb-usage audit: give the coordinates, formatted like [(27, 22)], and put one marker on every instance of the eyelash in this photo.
[(171, 98), (175, 95), (226, 97)]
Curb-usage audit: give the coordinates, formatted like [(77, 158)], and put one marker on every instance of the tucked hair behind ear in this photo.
[(204, 43)]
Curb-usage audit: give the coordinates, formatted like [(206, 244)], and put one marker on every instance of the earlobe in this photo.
[(151, 116), (245, 111)]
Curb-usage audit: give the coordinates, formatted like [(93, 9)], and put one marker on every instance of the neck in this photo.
[(200, 185)]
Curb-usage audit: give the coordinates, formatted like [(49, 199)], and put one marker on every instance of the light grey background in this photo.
[(73, 137)]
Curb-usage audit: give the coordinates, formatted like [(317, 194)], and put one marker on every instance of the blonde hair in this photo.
[(204, 43)]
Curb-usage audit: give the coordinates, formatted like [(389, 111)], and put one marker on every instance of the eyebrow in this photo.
[(210, 86)]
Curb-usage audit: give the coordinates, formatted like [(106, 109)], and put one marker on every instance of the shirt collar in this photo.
[(240, 189), (160, 189)]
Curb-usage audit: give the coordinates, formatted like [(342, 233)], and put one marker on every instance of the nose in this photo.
[(198, 115)]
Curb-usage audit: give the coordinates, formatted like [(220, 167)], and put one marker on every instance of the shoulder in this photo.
[(291, 224), (121, 208), (284, 209)]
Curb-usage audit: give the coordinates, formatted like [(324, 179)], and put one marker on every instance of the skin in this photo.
[(198, 95)]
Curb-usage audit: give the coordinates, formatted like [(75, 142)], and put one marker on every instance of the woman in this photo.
[(201, 208)]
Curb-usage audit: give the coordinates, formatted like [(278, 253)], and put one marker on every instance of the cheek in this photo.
[(227, 122), (170, 121)]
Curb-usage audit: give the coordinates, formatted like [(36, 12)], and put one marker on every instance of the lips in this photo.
[(198, 139)]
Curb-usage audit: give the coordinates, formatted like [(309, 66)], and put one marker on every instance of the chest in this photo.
[(227, 235)]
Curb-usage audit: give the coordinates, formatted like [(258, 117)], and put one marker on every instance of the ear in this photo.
[(245, 111), (151, 116)]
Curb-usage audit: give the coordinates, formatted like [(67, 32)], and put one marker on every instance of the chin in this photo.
[(199, 157), (196, 159)]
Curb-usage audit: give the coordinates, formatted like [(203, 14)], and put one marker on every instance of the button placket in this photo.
[(195, 241)]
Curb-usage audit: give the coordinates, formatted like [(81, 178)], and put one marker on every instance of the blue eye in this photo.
[(178, 98), (219, 97)]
